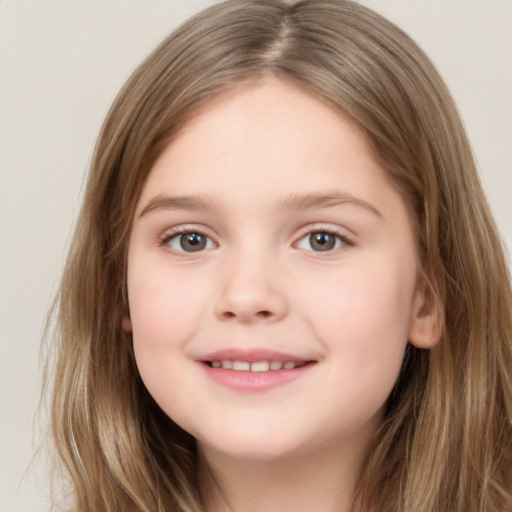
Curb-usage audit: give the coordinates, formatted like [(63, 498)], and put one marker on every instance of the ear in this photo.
[(126, 323), (427, 319)]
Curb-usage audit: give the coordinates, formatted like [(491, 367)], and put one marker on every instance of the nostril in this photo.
[(259, 314)]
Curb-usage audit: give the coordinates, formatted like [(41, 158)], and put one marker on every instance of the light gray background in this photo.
[(62, 63)]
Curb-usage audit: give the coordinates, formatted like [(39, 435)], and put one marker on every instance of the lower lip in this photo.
[(254, 381)]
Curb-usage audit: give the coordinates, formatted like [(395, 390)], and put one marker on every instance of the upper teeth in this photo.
[(256, 366)]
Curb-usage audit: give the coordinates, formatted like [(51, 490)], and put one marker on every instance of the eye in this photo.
[(321, 241), (189, 242)]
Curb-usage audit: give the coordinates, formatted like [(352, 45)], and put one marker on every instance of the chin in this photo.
[(262, 453), (256, 446)]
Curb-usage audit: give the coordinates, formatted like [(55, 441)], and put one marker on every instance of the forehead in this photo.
[(268, 133)]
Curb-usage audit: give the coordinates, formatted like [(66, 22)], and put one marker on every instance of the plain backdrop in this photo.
[(62, 63)]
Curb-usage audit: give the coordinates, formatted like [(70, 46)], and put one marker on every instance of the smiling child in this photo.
[(285, 291)]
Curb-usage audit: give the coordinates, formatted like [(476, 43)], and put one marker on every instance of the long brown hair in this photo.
[(446, 442)]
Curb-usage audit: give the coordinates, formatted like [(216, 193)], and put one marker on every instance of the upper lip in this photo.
[(252, 355)]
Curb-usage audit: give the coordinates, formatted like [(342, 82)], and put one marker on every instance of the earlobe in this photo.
[(427, 318), (126, 324)]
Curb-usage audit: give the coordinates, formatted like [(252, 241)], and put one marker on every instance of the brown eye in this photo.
[(320, 241), (190, 242)]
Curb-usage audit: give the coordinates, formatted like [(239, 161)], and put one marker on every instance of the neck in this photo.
[(324, 480)]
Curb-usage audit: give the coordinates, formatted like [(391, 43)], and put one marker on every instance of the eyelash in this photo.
[(181, 231), (343, 239)]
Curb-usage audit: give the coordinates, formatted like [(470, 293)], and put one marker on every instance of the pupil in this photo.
[(192, 242), (322, 241)]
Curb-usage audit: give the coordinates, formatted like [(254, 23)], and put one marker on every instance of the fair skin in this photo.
[(272, 282)]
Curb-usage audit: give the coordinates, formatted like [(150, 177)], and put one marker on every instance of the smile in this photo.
[(254, 370), (255, 366)]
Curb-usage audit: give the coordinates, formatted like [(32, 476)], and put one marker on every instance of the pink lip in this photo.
[(248, 381)]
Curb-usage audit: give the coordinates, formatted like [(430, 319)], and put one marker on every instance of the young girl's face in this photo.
[(272, 278)]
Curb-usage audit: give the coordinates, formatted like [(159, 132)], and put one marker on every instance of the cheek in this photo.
[(363, 318), (165, 310)]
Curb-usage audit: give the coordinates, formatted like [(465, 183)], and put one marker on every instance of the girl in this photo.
[(285, 289)]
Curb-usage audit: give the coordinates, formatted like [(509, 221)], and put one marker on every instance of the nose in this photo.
[(252, 290)]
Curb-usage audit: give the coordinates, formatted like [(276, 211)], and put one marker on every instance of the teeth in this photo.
[(262, 366), (241, 366), (276, 365), (257, 366)]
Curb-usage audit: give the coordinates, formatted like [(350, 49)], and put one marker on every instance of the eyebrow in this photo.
[(292, 202), (186, 203), (328, 200)]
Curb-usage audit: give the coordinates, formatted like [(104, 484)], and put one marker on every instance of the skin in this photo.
[(260, 283)]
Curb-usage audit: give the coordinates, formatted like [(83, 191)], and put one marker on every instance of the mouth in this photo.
[(256, 366), (254, 370)]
